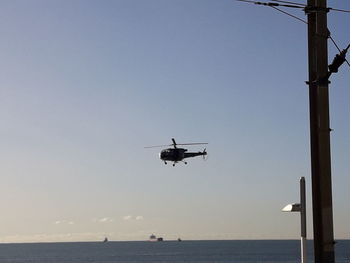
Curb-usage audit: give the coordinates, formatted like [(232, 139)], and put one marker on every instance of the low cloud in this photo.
[(130, 217), (105, 220), (127, 218), (64, 222), (57, 237)]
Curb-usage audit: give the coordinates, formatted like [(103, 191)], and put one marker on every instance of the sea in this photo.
[(166, 251)]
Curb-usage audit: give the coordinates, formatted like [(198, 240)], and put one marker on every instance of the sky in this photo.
[(86, 85)]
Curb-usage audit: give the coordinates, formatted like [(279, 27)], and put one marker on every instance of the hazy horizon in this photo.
[(87, 85)]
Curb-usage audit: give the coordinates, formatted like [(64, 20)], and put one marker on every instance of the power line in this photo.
[(288, 2), (339, 10), (330, 37), (270, 4), (292, 5), (273, 5), (288, 14), (335, 44)]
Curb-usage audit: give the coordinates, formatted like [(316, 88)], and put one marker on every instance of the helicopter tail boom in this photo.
[(194, 154)]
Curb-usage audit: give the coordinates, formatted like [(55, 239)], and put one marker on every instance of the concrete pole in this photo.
[(303, 220), (320, 132)]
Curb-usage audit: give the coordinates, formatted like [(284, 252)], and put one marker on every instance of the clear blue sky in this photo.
[(87, 84)]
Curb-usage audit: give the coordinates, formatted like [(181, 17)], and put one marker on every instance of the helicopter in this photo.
[(176, 154)]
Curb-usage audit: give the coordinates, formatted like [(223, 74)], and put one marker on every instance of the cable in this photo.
[(270, 4), (335, 44), (339, 10), (329, 8), (330, 37), (273, 5), (286, 13), (287, 2), (338, 60)]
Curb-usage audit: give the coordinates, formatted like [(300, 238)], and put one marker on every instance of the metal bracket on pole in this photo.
[(338, 60), (315, 9)]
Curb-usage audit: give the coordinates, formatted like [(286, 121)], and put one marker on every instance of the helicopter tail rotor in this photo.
[(205, 154)]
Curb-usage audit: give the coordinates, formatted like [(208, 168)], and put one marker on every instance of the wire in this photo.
[(339, 10), (287, 2), (247, 1), (270, 4), (330, 37), (335, 44), (286, 13), (273, 5)]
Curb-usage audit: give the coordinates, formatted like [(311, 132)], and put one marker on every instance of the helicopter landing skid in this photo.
[(176, 162)]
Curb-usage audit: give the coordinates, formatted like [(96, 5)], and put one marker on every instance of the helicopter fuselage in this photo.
[(178, 154)]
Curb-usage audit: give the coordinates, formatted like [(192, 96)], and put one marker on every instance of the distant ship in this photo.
[(105, 240), (153, 238)]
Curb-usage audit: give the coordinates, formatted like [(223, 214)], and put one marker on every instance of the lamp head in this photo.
[(292, 208)]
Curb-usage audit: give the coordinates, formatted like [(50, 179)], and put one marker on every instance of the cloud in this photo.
[(63, 222), (57, 237), (128, 217), (105, 220)]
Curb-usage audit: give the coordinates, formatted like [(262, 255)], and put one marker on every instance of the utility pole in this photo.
[(303, 220), (318, 34)]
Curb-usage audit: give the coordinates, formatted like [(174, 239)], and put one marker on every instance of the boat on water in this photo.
[(153, 238), (105, 240)]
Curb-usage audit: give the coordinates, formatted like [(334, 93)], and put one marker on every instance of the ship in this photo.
[(153, 238), (105, 240)]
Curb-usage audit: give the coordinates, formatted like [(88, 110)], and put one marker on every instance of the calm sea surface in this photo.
[(167, 251)]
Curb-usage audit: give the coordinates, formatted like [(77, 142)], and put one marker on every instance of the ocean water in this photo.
[(167, 251)]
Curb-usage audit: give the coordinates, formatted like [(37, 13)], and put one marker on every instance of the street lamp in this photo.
[(300, 207)]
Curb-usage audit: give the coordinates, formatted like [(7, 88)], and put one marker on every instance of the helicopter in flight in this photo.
[(176, 154)]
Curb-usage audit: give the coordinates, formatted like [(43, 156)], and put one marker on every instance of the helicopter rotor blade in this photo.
[(157, 146), (174, 143), (195, 143)]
